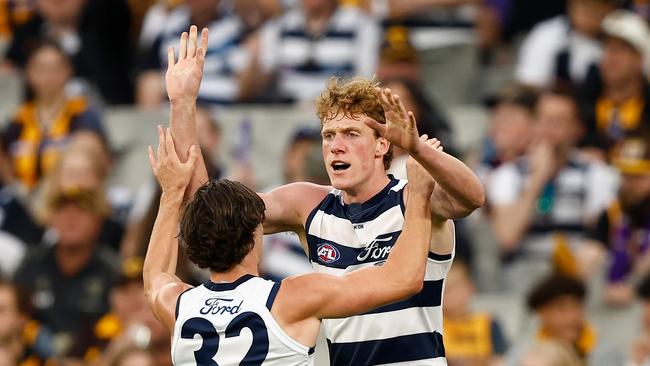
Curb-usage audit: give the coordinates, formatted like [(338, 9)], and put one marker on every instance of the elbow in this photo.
[(414, 284), (476, 199)]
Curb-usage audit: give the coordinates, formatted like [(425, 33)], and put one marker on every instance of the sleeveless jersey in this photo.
[(230, 324), (343, 238)]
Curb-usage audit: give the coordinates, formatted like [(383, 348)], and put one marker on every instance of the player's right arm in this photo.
[(325, 296), (162, 286), (288, 206)]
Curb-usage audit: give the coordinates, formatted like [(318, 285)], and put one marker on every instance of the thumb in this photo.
[(379, 127), (193, 157)]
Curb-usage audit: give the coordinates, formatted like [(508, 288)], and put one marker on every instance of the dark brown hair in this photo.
[(218, 224)]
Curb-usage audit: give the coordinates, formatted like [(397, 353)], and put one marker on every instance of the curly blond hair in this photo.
[(352, 98)]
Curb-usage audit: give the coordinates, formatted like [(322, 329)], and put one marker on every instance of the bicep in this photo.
[(288, 206), (163, 296)]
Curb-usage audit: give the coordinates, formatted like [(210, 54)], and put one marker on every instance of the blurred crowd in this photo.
[(565, 160)]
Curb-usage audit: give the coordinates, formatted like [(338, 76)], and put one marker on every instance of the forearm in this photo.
[(162, 253), (406, 263), (183, 125), (512, 221), (453, 177)]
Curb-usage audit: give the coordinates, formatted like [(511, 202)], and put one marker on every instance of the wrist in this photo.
[(172, 197), (183, 102)]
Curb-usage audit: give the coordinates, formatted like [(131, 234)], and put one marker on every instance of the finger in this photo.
[(379, 127), (424, 137), (152, 159), (170, 57), (192, 158), (182, 48), (161, 143), (412, 122), (191, 45), (398, 103), (200, 57), (382, 98), (389, 96), (169, 144), (204, 39)]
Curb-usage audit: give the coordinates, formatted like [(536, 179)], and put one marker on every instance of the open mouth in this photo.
[(339, 166)]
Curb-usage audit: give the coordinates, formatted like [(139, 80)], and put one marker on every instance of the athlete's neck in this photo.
[(249, 266), (366, 191)]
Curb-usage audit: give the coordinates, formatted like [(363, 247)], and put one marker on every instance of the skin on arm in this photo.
[(458, 191), (511, 221), (162, 286), (183, 79), (326, 296)]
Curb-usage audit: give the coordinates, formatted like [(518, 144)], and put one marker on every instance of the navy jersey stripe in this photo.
[(439, 257), (272, 294), (178, 302), (347, 256), (227, 286), (399, 349), (431, 295)]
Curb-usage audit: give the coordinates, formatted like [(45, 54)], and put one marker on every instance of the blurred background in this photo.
[(548, 102)]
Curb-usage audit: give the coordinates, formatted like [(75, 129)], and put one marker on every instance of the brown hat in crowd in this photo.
[(88, 200), (632, 155)]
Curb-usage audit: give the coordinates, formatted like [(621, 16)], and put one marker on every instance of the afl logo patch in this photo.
[(327, 253)]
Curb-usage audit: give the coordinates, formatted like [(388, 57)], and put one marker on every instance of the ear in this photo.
[(381, 147)]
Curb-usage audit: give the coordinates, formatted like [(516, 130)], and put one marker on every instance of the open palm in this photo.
[(183, 77), (400, 127)]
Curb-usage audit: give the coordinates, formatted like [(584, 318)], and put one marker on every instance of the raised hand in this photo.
[(400, 127), (172, 175), (183, 77)]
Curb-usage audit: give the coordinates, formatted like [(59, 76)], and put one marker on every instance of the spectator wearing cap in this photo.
[(543, 202), (559, 303), (624, 228), (565, 47), (306, 46), (617, 97), (70, 275)]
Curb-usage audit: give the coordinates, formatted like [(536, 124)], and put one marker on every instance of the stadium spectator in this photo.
[(543, 201), (93, 33), (398, 58), (223, 64), (624, 228), (71, 274), (512, 116), (43, 124), (302, 49), (25, 341), (471, 338), (82, 166), (284, 255), (12, 15), (558, 302), (565, 47), (130, 324), (618, 96)]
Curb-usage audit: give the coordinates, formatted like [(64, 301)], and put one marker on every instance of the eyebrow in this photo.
[(346, 129)]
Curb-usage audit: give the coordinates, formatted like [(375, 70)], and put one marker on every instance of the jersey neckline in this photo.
[(227, 286)]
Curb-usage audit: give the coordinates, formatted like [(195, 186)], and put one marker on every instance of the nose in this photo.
[(337, 145)]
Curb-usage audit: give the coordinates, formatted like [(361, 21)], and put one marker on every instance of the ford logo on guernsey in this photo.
[(327, 253)]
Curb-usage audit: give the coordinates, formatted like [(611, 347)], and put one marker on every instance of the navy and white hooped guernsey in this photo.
[(343, 238)]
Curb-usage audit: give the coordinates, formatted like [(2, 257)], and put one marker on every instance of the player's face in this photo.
[(352, 152)]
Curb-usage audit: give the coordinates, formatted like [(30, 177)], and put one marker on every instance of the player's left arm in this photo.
[(458, 190), (162, 286)]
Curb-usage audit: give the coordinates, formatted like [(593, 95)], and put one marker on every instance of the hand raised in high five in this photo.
[(172, 175), (420, 181), (183, 77), (400, 127)]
